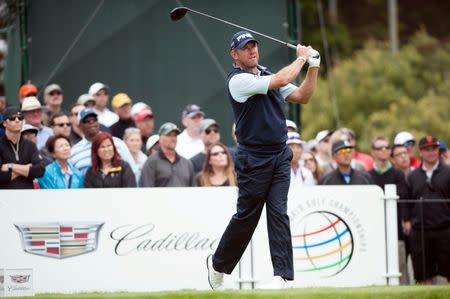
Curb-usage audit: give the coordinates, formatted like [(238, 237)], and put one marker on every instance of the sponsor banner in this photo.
[(153, 239), (338, 237), (145, 239), (16, 282)]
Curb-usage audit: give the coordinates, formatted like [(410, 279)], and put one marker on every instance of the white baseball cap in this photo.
[(96, 87), (291, 124), (322, 135), (294, 137), (403, 137)]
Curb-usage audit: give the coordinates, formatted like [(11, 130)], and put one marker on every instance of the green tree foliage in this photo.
[(378, 93)]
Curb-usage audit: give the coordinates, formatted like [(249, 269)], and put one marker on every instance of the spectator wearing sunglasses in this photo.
[(218, 169), (209, 134), (75, 132), (344, 174), (407, 140), (383, 173), (428, 222), (400, 158), (60, 124), (20, 162), (53, 99)]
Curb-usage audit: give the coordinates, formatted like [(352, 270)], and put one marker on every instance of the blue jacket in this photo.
[(54, 179)]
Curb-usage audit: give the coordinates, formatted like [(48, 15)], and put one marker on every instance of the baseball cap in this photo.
[(427, 141), (30, 104), (340, 144), (151, 141), (138, 107), (29, 128), (10, 111), (206, 123), (442, 146), (85, 113), (403, 137), (240, 39), (52, 87), (27, 89), (322, 135), (293, 138), (291, 124), (166, 128), (192, 110), (120, 99), (84, 98), (96, 87)]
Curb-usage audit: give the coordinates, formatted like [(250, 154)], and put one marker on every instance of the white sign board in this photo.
[(145, 239), (337, 237)]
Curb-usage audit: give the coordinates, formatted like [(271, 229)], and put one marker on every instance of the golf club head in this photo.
[(178, 13)]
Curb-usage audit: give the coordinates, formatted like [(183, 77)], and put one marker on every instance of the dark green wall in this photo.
[(134, 47)]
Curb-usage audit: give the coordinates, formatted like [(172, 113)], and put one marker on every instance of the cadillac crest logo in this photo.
[(59, 240)]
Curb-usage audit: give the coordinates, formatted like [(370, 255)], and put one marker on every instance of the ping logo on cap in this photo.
[(244, 35)]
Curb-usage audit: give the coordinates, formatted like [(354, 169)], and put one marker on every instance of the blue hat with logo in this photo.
[(85, 113), (240, 39)]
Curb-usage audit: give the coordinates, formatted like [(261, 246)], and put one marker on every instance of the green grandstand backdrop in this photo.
[(135, 48)]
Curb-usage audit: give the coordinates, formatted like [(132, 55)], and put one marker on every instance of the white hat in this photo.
[(151, 141), (403, 137), (96, 87), (291, 124), (294, 137), (30, 128), (52, 87), (138, 107), (84, 98), (30, 104), (322, 135)]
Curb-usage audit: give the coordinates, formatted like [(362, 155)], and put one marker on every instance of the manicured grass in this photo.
[(401, 292)]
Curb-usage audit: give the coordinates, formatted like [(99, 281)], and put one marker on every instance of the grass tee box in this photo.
[(403, 292)]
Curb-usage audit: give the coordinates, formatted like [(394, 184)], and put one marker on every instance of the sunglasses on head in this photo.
[(208, 131), (14, 117)]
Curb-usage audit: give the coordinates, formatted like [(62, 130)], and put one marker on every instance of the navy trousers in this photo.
[(263, 177)]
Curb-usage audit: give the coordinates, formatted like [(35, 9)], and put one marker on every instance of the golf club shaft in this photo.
[(246, 29)]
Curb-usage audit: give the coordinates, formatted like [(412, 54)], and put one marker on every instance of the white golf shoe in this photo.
[(215, 278), (277, 283)]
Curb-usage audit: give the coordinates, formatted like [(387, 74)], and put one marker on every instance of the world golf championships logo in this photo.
[(322, 244)]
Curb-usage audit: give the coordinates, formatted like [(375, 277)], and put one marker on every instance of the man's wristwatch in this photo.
[(10, 167)]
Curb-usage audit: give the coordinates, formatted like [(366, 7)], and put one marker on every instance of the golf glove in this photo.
[(314, 58)]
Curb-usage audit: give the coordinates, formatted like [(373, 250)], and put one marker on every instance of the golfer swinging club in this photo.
[(262, 159)]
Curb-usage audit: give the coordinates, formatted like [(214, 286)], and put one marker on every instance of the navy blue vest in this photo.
[(260, 121)]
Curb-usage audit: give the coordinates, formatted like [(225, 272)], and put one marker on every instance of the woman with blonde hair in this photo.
[(218, 169)]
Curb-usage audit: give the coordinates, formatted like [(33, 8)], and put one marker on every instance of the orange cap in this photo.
[(27, 89)]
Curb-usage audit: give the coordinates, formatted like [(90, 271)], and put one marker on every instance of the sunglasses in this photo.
[(381, 148), (218, 153), (14, 117), (56, 92), (63, 125), (402, 154), (343, 151), (208, 131)]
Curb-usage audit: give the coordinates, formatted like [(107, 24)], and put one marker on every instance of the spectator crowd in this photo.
[(91, 146)]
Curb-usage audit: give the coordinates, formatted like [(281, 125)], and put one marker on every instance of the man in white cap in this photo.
[(299, 175), (407, 140), (323, 150), (32, 110), (190, 142), (291, 126), (100, 92), (53, 99)]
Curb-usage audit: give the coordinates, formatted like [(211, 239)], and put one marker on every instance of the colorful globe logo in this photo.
[(322, 244)]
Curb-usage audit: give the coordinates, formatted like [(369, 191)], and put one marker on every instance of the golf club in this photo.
[(179, 12)]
